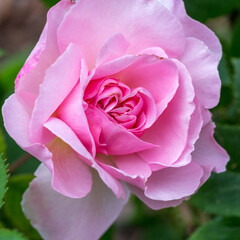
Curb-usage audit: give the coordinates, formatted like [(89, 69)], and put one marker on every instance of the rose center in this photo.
[(121, 104)]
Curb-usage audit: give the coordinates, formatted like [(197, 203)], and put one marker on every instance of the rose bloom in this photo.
[(114, 100)]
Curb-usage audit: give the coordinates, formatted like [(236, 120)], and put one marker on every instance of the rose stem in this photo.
[(19, 162)]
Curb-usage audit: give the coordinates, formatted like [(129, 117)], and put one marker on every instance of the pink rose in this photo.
[(114, 99)]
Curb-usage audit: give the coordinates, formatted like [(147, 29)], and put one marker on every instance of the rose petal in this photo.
[(114, 47), (18, 128), (193, 28), (174, 183), (62, 76), (101, 19), (154, 204), (114, 140), (159, 77), (26, 88), (202, 65), (170, 131), (207, 151), (88, 217)]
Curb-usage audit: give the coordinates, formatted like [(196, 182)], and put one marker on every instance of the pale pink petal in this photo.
[(114, 47), (207, 151), (134, 19), (59, 80), (16, 121), (159, 77), (26, 87), (193, 28), (129, 168), (202, 65), (70, 176), (115, 185), (194, 130), (154, 204), (157, 51), (72, 113), (174, 183), (170, 131), (58, 217), (65, 133)]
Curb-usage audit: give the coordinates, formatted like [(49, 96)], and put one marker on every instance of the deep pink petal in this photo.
[(134, 19), (202, 65), (170, 131), (174, 183), (58, 217), (59, 80), (114, 139), (114, 47)]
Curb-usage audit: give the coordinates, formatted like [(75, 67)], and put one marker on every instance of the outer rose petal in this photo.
[(18, 128), (71, 176), (154, 204), (103, 18), (174, 183), (202, 65), (60, 79), (26, 87), (208, 153), (193, 28), (87, 218)]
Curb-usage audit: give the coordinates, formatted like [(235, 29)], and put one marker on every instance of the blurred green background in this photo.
[(211, 214)]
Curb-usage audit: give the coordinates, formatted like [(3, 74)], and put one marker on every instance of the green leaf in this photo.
[(236, 79), (204, 9), (220, 195), (2, 143), (229, 138), (219, 229), (235, 46), (3, 179), (224, 71), (12, 208), (6, 234), (50, 3)]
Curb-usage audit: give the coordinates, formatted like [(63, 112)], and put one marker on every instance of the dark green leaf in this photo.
[(6, 234), (12, 208), (236, 79), (229, 138), (224, 71), (3, 179), (219, 229), (220, 195), (50, 3), (235, 46), (204, 9)]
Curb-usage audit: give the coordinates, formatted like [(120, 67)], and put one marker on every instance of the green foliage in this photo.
[(12, 209), (6, 234), (204, 9), (236, 78), (235, 46), (219, 229), (229, 137), (220, 195), (3, 179), (50, 3)]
